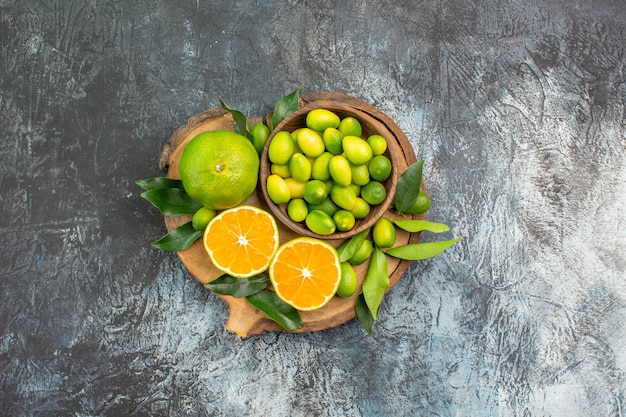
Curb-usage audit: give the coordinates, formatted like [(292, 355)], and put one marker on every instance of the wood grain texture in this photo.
[(517, 107)]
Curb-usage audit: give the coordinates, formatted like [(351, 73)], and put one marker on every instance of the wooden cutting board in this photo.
[(245, 319)]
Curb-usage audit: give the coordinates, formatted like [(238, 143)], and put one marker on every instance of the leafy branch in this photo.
[(376, 281), (255, 290)]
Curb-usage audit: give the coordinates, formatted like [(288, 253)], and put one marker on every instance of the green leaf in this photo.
[(285, 106), (159, 182), (348, 248), (171, 201), (239, 287), (241, 121), (363, 314), (276, 309), (376, 281), (421, 225), (420, 251), (408, 186), (179, 238)]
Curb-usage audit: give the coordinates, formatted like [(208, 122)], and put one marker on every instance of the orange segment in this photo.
[(305, 273), (241, 241)]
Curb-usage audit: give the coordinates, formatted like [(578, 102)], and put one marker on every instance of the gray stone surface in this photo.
[(517, 106)]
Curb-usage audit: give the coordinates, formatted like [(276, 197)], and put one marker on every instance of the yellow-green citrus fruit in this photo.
[(202, 217), (420, 205), (344, 220), (320, 119), (296, 188), (300, 167), (373, 192), (360, 174), (310, 143), (357, 151), (259, 133), (355, 188), (280, 148), (344, 197), (379, 168), (378, 144), (347, 285), (320, 223), (315, 192), (319, 170), (339, 169), (384, 233), (311, 162), (332, 140), (361, 208), (277, 189), (219, 169), (363, 253), (350, 126), (327, 206), (297, 209), (294, 136), (281, 170), (326, 172), (296, 147)]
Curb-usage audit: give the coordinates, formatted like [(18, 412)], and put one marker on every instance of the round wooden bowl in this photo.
[(370, 126)]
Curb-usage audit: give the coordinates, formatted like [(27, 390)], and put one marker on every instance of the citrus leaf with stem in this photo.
[(179, 238), (276, 309), (376, 281), (159, 182), (408, 186), (285, 106), (241, 121), (363, 314), (239, 287), (420, 251), (414, 226), (171, 201), (347, 249)]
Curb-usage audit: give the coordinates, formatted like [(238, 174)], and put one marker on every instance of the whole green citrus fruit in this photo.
[(384, 233), (219, 169), (421, 204), (347, 285)]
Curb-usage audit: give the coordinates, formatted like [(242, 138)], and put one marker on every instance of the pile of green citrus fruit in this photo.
[(327, 174)]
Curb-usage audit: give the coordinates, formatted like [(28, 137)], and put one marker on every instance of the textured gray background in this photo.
[(517, 106)]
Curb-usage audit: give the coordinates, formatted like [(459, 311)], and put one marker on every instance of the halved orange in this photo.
[(305, 273), (241, 241)]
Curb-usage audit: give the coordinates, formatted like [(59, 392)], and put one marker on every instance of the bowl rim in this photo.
[(392, 152)]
